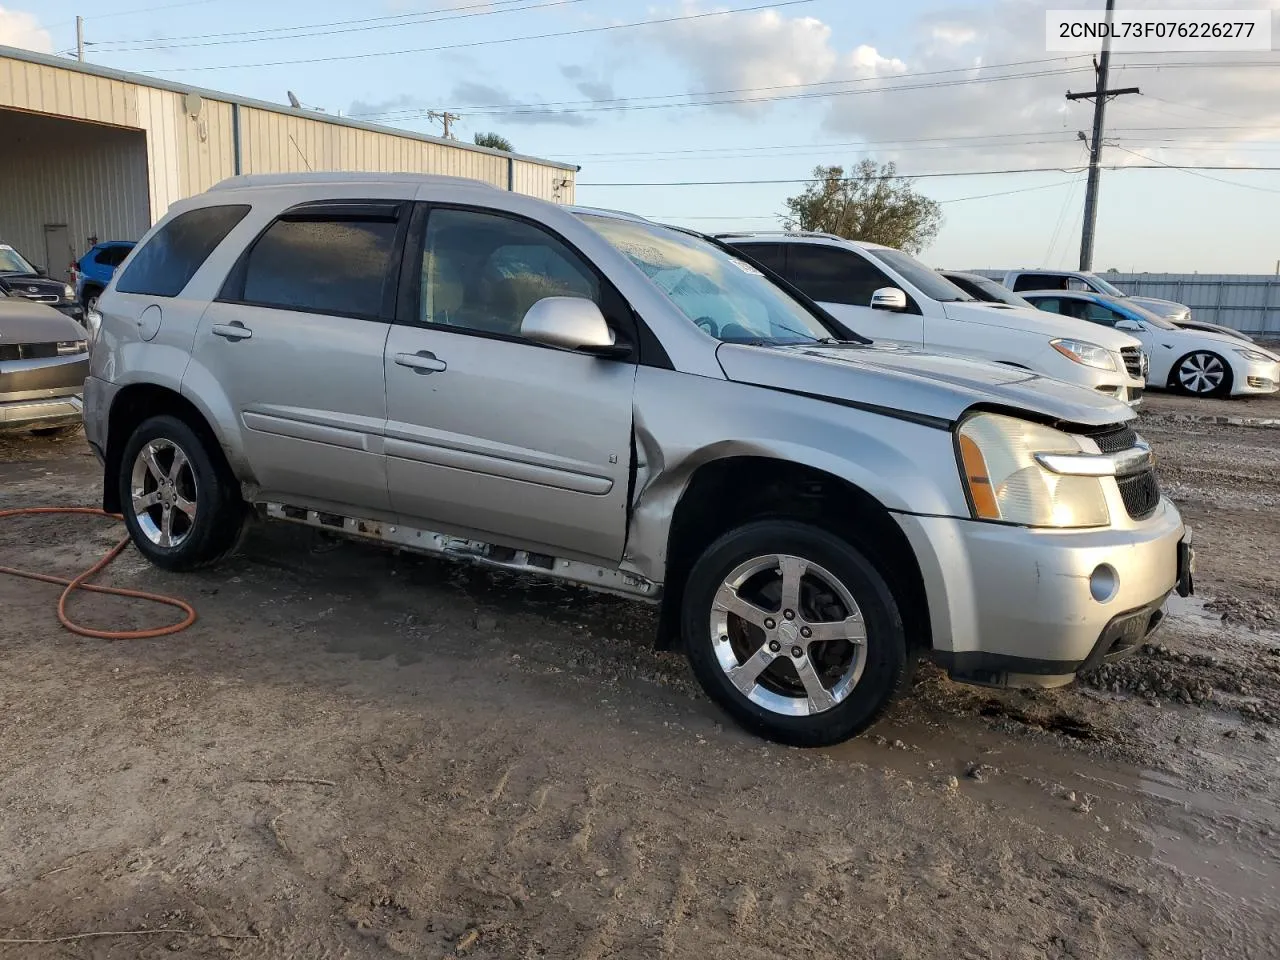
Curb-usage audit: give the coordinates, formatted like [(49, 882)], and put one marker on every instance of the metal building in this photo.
[(88, 152)]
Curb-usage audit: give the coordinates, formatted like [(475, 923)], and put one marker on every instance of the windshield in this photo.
[(11, 261), (722, 294), (1103, 287), (1147, 317), (927, 281), (999, 293)]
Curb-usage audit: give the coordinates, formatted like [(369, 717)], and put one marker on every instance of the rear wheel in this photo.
[(180, 502), (1203, 374), (794, 632)]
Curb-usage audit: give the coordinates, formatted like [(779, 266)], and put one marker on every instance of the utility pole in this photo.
[(1099, 96), (446, 118), (80, 39)]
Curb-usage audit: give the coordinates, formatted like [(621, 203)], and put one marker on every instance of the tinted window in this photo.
[(337, 266), (111, 256), (1048, 304), (482, 271), (925, 279), (1039, 281), (832, 275), (168, 261), (771, 255)]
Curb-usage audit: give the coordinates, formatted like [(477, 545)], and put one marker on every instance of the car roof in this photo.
[(968, 276), (799, 236), (329, 177), (1069, 294)]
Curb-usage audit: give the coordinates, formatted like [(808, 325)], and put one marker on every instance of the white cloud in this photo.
[(21, 29), (966, 42)]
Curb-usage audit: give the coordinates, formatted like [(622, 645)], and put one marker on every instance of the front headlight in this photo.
[(1256, 356), (68, 347), (1089, 354), (1006, 483), (68, 292)]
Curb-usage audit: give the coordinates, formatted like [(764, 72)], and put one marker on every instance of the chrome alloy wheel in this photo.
[(1201, 373), (163, 492), (788, 634)]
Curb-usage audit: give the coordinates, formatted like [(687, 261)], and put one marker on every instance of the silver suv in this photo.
[(442, 366)]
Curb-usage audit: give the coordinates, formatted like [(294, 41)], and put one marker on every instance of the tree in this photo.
[(494, 141), (873, 203)]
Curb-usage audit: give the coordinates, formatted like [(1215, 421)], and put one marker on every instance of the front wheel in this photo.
[(794, 632), (181, 505), (1203, 374)]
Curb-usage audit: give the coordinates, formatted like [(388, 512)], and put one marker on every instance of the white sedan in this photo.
[(1199, 362)]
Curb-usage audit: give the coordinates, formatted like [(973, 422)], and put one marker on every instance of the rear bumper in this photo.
[(45, 412)]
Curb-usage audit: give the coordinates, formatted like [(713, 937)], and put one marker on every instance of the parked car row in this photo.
[(442, 366)]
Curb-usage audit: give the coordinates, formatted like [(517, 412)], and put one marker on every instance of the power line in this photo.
[(715, 93), (1194, 171), (927, 176), (523, 109), (129, 13), (346, 26), (1061, 141), (481, 43)]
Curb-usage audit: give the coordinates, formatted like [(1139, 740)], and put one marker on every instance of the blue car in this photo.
[(92, 272)]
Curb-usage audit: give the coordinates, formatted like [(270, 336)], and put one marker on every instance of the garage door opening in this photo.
[(68, 183)]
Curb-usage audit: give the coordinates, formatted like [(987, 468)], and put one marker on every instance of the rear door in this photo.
[(489, 434), (843, 281), (296, 340)]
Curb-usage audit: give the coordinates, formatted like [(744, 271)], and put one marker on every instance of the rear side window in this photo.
[(111, 256), (167, 262), (772, 255), (1039, 281), (337, 266), (832, 275), (1048, 304)]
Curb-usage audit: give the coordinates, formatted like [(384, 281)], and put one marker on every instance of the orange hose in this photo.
[(80, 583)]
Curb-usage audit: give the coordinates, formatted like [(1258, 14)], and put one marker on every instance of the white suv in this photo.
[(888, 295)]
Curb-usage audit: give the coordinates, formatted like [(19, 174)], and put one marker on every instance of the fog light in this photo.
[(1104, 582)]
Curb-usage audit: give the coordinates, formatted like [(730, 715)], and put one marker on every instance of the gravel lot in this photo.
[(355, 754)]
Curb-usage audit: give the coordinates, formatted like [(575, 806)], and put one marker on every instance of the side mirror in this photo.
[(571, 323), (889, 298), (1129, 325), (41, 272)]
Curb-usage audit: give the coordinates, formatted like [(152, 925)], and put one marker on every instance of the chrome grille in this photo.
[(1133, 361), (28, 351)]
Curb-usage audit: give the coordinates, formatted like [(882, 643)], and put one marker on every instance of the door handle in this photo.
[(233, 331), (424, 362)]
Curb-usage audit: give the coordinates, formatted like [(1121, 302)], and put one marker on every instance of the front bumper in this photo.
[(1257, 378), (1015, 606), (46, 412)]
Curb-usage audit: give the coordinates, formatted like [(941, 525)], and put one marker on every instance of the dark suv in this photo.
[(18, 278)]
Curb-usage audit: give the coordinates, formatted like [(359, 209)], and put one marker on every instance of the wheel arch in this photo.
[(726, 492), (133, 405)]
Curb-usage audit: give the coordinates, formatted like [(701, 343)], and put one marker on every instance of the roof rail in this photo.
[(781, 233)]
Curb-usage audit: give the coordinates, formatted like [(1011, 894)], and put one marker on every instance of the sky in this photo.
[(655, 99)]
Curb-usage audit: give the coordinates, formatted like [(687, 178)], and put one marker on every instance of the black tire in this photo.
[(885, 671), (219, 513), (89, 297), (1205, 359)]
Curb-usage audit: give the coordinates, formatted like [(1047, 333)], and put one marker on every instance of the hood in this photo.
[(1192, 337), (927, 384), (1052, 325), (1162, 308), (30, 285), (24, 322)]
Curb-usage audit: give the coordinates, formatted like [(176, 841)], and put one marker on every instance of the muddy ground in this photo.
[(359, 755)]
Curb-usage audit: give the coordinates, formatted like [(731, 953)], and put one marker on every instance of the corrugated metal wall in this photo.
[(1244, 301), (184, 154), (91, 178), (285, 143), (537, 180)]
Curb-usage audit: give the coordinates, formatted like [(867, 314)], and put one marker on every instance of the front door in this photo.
[(491, 435), (843, 282), (58, 253), (296, 340)]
